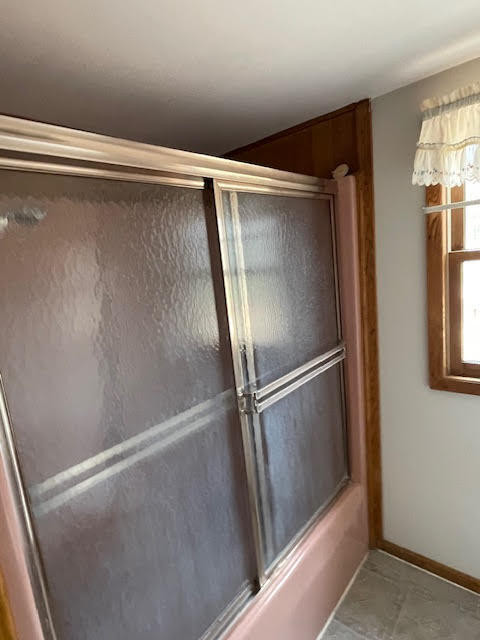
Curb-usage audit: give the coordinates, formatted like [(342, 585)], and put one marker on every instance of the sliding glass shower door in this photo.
[(116, 363), (280, 269), (171, 356)]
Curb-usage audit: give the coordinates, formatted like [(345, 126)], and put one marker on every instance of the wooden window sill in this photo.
[(457, 384)]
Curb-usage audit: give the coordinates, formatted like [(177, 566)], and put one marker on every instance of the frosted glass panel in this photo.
[(282, 270), (109, 321), (290, 279), (155, 549), (306, 453), (116, 363), (471, 311)]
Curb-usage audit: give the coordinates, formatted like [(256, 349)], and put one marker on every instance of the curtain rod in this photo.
[(452, 205)]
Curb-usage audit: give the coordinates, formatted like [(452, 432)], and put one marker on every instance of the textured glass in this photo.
[(305, 448), (108, 308), (471, 311), (290, 279), (155, 550), (116, 363)]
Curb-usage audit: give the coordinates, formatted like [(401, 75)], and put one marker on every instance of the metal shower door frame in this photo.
[(252, 400), (42, 148)]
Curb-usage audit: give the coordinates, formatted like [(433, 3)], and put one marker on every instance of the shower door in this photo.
[(116, 363), (171, 395), (279, 255)]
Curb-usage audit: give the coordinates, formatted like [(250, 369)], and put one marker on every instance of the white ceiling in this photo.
[(212, 75)]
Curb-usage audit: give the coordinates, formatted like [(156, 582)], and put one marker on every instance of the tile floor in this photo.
[(392, 600)]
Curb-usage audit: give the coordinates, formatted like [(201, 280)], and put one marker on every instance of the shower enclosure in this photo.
[(174, 409)]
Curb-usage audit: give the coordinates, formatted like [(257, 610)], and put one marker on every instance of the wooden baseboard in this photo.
[(439, 569)]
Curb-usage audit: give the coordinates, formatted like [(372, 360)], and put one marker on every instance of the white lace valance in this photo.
[(448, 150)]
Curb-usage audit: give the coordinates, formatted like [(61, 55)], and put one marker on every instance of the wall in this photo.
[(314, 147), (430, 439)]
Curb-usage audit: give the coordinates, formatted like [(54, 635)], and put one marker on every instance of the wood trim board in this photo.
[(368, 288)]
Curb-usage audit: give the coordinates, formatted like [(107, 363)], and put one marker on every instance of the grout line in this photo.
[(342, 598), (435, 575), (402, 606)]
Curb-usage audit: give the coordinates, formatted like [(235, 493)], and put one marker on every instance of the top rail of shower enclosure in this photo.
[(35, 146), (38, 147)]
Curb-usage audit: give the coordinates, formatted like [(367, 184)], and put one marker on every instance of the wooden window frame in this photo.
[(445, 255)]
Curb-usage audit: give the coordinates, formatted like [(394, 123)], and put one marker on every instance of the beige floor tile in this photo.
[(422, 618), (423, 582), (338, 631), (372, 606), (468, 627), (392, 600)]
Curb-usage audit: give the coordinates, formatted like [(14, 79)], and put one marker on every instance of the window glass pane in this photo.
[(471, 311), (472, 216)]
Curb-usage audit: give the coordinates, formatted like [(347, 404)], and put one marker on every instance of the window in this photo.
[(453, 265)]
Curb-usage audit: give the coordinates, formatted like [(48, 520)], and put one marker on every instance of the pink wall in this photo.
[(300, 597)]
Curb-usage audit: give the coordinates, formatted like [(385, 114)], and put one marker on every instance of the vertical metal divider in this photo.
[(343, 390), (236, 294), (31, 552)]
